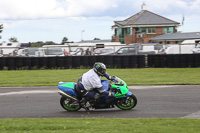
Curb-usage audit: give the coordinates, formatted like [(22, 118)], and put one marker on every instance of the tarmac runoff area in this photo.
[(173, 101)]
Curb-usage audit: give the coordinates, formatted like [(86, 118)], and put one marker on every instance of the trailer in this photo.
[(9, 49)]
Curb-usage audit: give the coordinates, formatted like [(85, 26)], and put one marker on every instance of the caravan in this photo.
[(9, 49)]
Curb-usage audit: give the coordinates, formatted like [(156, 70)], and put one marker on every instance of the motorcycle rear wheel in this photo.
[(66, 104), (127, 104)]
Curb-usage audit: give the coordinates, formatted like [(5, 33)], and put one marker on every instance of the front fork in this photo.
[(124, 99)]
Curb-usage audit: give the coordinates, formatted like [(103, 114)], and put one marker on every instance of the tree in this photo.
[(64, 40), (96, 38), (13, 39), (41, 43), (49, 43), (37, 44), (1, 29)]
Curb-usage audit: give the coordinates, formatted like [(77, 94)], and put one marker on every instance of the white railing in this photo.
[(91, 50)]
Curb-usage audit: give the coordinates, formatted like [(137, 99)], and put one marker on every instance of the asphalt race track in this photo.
[(178, 101)]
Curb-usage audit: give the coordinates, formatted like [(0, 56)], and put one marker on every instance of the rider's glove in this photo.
[(112, 78)]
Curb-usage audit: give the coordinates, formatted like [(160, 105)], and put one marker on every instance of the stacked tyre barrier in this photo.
[(174, 61), (115, 61), (34, 63)]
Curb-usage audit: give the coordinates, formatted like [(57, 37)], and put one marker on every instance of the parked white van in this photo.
[(148, 47), (49, 52), (177, 49), (28, 52)]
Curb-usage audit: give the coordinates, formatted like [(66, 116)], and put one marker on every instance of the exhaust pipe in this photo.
[(67, 95)]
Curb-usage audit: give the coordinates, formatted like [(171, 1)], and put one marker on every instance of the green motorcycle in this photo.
[(123, 99)]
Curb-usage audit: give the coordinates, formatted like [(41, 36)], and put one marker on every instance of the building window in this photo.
[(140, 30), (151, 30), (177, 42), (119, 31), (128, 31), (168, 30), (116, 32), (158, 47)]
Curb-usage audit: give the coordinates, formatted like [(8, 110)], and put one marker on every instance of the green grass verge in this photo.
[(146, 76), (93, 125)]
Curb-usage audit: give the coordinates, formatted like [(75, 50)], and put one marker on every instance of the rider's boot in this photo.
[(89, 105)]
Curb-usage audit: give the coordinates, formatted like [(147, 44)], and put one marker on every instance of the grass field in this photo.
[(145, 76), (100, 125)]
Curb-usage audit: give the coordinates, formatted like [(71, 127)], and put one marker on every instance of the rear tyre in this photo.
[(67, 104), (127, 104)]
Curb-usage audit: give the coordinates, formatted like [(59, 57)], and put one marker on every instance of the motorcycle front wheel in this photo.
[(69, 104), (127, 104)]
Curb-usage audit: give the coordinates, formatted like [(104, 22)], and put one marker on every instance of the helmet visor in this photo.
[(103, 71)]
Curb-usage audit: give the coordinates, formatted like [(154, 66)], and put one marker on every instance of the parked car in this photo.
[(100, 51), (131, 50)]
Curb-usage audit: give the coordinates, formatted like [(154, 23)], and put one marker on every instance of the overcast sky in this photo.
[(51, 20)]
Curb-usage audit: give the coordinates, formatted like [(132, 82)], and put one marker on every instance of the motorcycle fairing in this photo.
[(68, 87), (128, 94)]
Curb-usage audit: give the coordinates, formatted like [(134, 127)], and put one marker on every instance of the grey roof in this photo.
[(146, 17), (177, 36), (95, 41)]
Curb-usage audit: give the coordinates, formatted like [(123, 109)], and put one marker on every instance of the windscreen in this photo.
[(198, 46), (118, 81), (53, 51), (32, 51)]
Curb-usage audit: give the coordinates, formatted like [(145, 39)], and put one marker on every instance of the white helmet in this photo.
[(99, 68)]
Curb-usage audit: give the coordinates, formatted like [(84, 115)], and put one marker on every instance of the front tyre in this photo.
[(69, 104), (127, 104)]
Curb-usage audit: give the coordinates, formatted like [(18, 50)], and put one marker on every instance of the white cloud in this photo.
[(12, 24), (35, 20), (29, 9), (174, 6), (89, 7), (34, 9)]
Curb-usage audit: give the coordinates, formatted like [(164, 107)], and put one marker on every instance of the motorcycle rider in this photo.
[(90, 83)]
